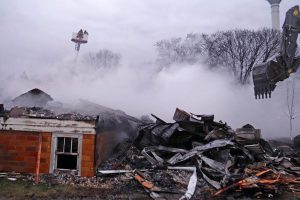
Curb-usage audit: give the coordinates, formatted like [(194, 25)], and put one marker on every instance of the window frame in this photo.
[(54, 153), (71, 148)]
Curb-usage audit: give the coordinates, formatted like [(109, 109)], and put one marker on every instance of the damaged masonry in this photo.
[(194, 157)]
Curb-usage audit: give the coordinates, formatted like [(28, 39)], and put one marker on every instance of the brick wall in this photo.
[(19, 149), (87, 159)]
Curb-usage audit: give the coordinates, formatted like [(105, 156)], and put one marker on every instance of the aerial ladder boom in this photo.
[(266, 75)]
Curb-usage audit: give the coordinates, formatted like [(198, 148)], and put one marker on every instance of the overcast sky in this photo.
[(40, 30)]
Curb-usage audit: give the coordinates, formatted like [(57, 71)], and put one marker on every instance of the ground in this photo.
[(22, 190)]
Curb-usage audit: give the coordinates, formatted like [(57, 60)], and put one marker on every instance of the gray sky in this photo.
[(36, 39), (40, 30)]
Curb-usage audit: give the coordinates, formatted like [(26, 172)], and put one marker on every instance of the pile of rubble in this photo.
[(194, 157), (38, 112), (217, 160)]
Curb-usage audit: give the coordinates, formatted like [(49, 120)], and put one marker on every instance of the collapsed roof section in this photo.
[(38, 104)]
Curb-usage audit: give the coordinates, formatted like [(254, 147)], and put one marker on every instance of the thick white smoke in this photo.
[(145, 88)]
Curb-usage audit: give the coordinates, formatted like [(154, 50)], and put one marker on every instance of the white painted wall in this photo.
[(47, 125)]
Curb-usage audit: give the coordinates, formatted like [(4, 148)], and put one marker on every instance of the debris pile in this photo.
[(39, 112), (236, 163)]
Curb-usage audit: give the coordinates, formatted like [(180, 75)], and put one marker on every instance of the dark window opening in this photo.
[(67, 153), (67, 162), (68, 145), (60, 144), (74, 145)]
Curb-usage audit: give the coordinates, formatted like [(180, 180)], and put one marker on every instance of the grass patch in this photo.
[(24, 190)]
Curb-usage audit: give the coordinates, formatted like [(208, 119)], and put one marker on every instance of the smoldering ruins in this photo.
[(175, 121), (44, 141)]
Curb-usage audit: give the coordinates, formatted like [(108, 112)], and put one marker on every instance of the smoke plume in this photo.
[(140, 89)]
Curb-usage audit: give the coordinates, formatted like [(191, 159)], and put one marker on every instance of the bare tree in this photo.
[(104, 58), (178, 50), (241, 50), (236, 50)]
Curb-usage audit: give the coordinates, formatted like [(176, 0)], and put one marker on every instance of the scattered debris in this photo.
[(232, 163), (39, 112), (193, 158), (12, 179)]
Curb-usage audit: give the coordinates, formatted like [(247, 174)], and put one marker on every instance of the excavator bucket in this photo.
[(265, 76)]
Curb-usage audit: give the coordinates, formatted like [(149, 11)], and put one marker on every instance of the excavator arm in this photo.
[(266, 75)]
